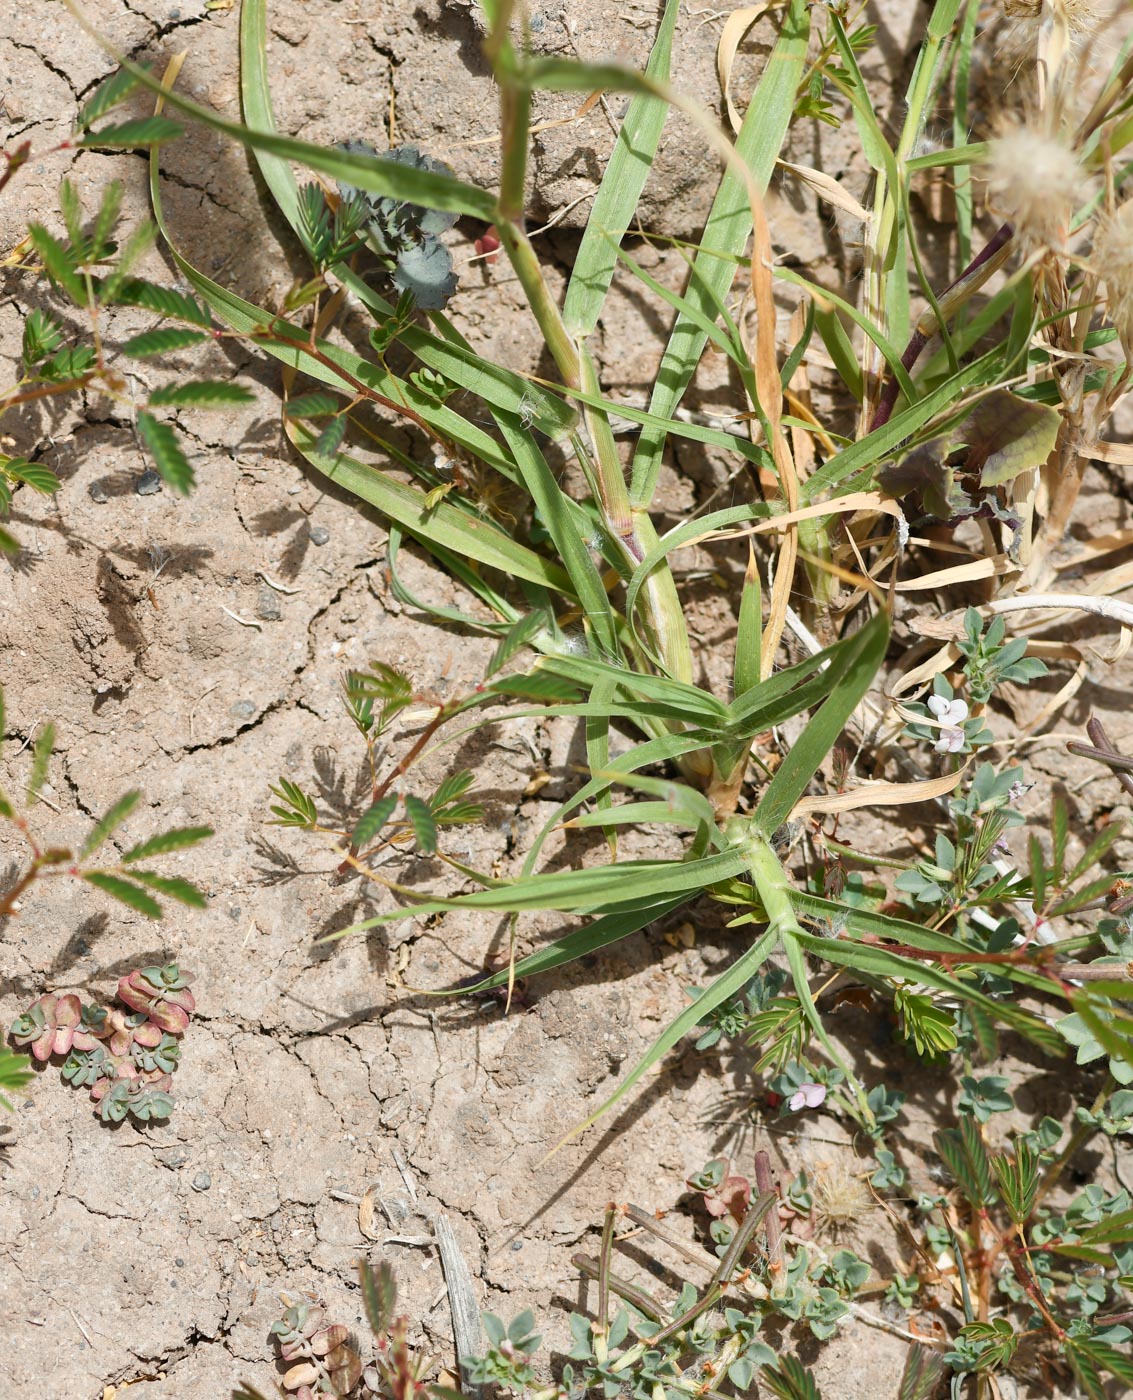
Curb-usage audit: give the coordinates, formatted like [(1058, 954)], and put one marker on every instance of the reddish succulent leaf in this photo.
[(329, 1338), (169, 1018), (345, 1366), (148, 1034), (68, 1011), (300, 1375)]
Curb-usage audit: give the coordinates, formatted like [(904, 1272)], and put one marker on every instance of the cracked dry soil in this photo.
[(193, 648)]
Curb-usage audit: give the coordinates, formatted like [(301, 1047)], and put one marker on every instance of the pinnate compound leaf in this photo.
[(518, 635), (162, 341), (70, 363), (450, 788), (372, 820), (176, 840), (115, 815), (379, 1295), (1091, 1357), (39, 478), (314, 405), (124, 891), (201, 393), (423, 823), (173, 887), (43, 335), (168, 458), (58, 263), (296, 808), (790, 1380), (141, 131), (330, 439), (109, 93), (922, 1375), (966, 1158), (41, 757), (165, 301)]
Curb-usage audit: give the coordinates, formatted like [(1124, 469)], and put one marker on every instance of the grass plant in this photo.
[(976, 408)]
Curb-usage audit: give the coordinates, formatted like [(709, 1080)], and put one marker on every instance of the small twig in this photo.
[(872, 1320), (406, 1175), (466, 1329), (271, 583), (1104, 752), (243, 621)]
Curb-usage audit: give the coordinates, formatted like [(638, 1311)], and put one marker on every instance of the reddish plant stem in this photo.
[(890, 389), (764, 1183)]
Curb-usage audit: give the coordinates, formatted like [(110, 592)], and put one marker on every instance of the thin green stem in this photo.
[(773, 888)]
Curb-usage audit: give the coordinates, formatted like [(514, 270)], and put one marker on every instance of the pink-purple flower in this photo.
[(807, 1096)]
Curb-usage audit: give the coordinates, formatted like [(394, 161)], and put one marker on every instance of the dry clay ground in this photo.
[(149, 1261)]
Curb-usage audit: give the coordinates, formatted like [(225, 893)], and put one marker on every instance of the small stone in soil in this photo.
[(148, 484), (267, 605), (243, 709), (319, 534), (202, 1181), (97, 492)]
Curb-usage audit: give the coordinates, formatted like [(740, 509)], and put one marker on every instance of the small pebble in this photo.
[(319, 534), (267, 605), (97, 492), (243, 709), (517, 1245), (148, 484), (202, 1181)]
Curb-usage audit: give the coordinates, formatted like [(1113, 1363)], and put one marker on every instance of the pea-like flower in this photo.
[(951, 714), (807, 1096)]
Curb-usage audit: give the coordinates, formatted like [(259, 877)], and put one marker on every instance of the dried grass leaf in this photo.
[(731, 37), (879, 794)]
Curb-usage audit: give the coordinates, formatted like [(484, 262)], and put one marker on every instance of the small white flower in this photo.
[(950, 741), (807, 1096), (949, 712)]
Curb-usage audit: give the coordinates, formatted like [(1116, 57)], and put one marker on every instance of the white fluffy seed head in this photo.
[(1035, 182), (1080, 16), (1113, 262)]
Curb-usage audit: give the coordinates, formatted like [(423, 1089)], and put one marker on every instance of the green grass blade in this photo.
[(672, 696), (848, 677), (883, 342), (448, 354), (619, 887), (749, 631), (870, 451), (453, 529), (610, 928), (460, 569), (621, 187), (725, 986), (367, 173), (725, 234), (561, 521)]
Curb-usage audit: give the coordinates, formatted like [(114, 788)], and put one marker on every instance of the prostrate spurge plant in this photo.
[(980, 414), (125, 1058)]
